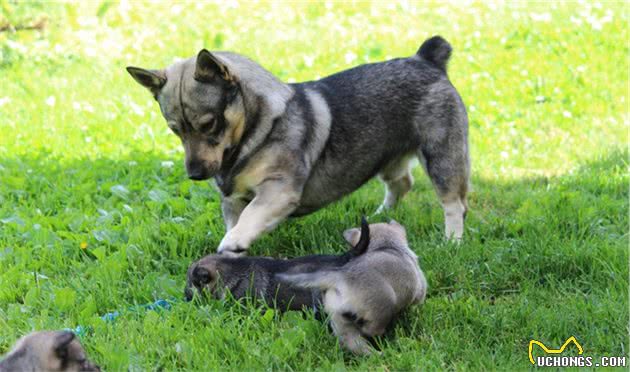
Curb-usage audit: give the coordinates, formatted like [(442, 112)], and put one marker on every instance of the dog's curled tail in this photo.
[(437, 51), (322, 280), (364, 241)]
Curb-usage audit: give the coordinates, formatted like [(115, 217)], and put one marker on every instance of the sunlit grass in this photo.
[(96, 213)]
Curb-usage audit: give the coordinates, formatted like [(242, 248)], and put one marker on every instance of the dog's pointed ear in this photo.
[(209, 66), (62, 343), (352, 236), (400, 227), (395, 223), (153, 80)]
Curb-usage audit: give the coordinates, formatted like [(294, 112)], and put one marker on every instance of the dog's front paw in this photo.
[(231, 248), (232, 251)]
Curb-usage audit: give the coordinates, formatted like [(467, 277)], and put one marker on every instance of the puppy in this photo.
[(363, 296), (256, 277), (47, 351)]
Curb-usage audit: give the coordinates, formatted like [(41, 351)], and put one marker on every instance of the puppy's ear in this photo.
[(201, 277), (153, 80), (62, 344), (352, 236), (400, 227), (209, 66), (395, 223)]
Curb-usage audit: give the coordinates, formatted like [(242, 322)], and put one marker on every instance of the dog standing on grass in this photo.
[(278, 150)]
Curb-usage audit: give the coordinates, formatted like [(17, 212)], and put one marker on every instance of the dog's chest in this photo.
[(240, 182)]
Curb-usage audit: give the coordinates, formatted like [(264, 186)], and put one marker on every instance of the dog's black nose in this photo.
[(188, 294), (197, 170), (198, 176)]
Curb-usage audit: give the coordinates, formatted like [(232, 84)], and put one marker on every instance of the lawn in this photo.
[(97, 214)]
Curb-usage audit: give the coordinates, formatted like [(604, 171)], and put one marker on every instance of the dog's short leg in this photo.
[(448, 167), (398, 181), (454, 212), (232, 209), (274, 201)]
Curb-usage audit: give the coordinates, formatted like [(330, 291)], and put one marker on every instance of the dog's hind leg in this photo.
[(447, 164), (398, 181)]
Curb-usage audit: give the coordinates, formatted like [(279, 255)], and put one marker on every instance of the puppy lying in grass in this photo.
[(256, 277), (47, 351), (363, 296)]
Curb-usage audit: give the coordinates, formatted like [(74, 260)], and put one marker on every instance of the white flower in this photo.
[(308, 61), (567, 114), (540, 17), (50, 101), (350, 57), (167, 164)]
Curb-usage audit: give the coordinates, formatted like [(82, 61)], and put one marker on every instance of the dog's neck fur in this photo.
[(262, 109)]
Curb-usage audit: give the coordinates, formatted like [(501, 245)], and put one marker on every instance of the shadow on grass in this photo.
[(542, 256), (95, 197)]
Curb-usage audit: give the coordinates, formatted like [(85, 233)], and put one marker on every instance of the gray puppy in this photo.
[(363, 297), (256, 277), (47, 351), (278, 150)]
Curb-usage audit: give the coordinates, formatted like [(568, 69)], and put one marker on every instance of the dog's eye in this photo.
[(354, 318), (206, 126)]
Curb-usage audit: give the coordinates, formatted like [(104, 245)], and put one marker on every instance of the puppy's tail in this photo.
[(322, 280), (437, 51), (364, 241)]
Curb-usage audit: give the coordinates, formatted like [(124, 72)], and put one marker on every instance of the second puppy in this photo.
[(363, 296), (256, 277)]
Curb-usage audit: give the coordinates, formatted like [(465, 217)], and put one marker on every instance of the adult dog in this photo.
[(278, 150)]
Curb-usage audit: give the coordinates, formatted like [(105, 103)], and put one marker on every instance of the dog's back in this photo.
[(380, 112)]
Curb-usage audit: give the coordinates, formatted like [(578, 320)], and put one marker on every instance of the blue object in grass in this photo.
[(109, 317)]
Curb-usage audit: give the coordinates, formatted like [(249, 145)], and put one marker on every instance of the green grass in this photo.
[(85, 157)]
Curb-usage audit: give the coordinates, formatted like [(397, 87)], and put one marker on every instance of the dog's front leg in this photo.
[(231, 209), (274, 201)]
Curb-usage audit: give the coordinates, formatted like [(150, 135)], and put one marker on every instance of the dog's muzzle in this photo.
[(198, 171)]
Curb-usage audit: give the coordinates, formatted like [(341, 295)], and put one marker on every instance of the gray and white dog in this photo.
[(278, 150), (366, 294), (47, 351)]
